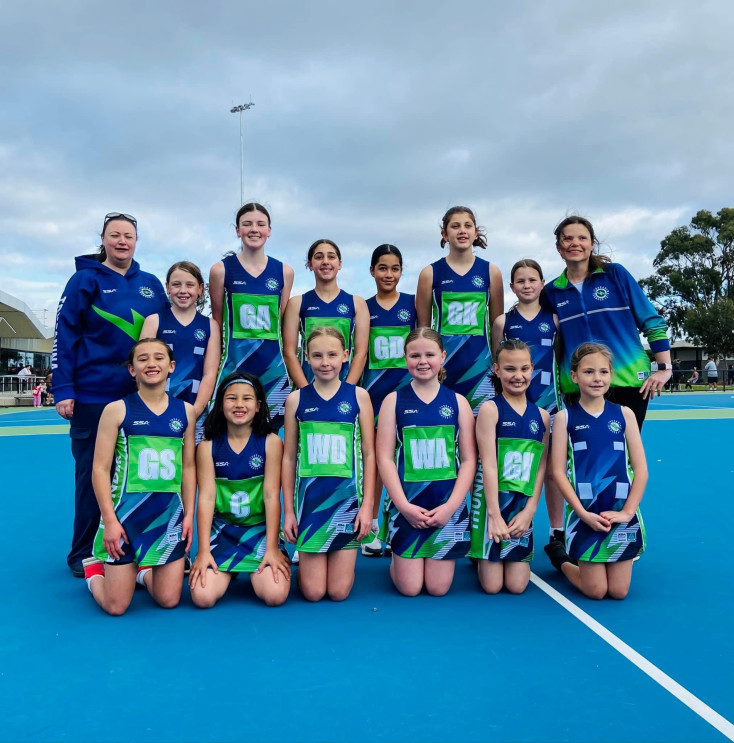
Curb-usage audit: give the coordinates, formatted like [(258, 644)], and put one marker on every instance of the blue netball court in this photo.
[(549, 665)]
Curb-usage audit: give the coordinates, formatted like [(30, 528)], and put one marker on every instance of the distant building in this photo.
[(23, 339)]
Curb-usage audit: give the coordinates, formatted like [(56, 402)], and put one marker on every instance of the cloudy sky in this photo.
[(370, 120)]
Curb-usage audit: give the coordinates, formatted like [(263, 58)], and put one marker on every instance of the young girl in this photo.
[(426, 519), (249, 292), (595, 443), (460, 296), (194, 339), (147, 508), (537, 326), (329, 466), (392, 317), (325, 305), (512, 434), (37, 391), (238, 469)]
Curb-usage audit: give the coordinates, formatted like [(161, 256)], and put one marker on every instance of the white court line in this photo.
[(711, 716), (673, 406)]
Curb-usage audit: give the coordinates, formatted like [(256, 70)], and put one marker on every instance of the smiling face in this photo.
[(575, 244), (593, 375), (527, 284), (240, 404), (515, 370), (387, 272), (119, 240), (326, 354), (151, 364), (183, 289), (460, 231), (325, 262), (424, 359), (253, 230)]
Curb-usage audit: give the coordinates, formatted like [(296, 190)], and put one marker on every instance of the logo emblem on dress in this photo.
[(601, 293), (614, 426), (256, 461), (404, 315), (343, 309), (147, 292), (534, 427), (272, 284), (176, 425), (199, 334), (344, 407), (445, 411), (478, 281), (544, 327)]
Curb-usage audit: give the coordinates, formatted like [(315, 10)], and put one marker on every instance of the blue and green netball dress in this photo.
[(251, 335), (237, 542), (339, 314), (460, 315), (329, 483), (385, 370), (146, 484), (519, 451), (428, 460), (599, 470), (188, 343), (540, 334)]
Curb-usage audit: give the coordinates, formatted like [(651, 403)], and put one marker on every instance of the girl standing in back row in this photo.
[(249, 292)]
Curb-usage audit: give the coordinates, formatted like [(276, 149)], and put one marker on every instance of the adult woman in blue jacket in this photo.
[(98, 321)]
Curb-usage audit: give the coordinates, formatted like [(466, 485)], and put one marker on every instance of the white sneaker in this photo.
[(373, 548)]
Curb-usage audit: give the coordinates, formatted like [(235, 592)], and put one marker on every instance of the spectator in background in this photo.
[(712, 374), (693, 379)]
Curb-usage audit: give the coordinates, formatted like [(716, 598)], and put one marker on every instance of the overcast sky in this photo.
[(370, 120)]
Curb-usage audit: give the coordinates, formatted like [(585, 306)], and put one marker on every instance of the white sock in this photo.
[(90, 579), (555, 528), (140, 577), (375, 525)]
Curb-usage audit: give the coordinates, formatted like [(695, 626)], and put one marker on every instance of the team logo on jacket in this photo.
[(601, 293), (478, 281), (544, 327), (404, 315), (445, 411), (344, 407), (147, 292), (272, 284), (176, 425), (614, 426), (534, 427), (256, 461), (343, 309), (199, 334)]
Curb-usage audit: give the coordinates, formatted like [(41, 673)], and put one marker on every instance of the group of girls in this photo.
[(427, 385)]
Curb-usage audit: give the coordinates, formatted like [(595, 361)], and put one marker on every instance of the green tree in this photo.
[(693, 286)]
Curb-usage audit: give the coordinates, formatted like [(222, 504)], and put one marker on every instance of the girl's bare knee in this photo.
[(618, 592), (313, 593), (203, 600), (339, 593), (437, 588)]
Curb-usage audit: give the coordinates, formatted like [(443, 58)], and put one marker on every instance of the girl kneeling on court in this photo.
[(238, 518), (329, 469), (598, 444), (426, 520), (512, 434), (148, 506)]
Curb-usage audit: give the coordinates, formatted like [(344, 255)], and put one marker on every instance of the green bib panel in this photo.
[(255, 316), (387, 347), (429, 453), (463, 313), (342, 324), (326, 449), (517, 464), (154, 464), (241, 501)]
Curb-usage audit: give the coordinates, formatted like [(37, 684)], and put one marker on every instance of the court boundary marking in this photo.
[(708, 714)]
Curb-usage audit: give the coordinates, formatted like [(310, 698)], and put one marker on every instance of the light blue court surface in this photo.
[(380, 667)]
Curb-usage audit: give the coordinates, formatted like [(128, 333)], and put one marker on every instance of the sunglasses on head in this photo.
[(119, 215)]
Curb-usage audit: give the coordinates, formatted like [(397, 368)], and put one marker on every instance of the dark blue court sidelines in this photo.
[(377, 667)]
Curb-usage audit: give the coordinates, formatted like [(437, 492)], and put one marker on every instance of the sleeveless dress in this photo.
[(427, 460), (519, 451), (188, 343), (146, 484), (237, 539), (339, 314), (251, 330), (329, 483), (461, 316), (540, 334), (599, 470), (385, 370)]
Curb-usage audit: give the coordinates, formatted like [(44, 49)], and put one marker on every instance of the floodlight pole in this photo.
[(239, 109)]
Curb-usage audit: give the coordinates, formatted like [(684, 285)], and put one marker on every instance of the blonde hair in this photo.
[(329, 332), (431, 335)]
